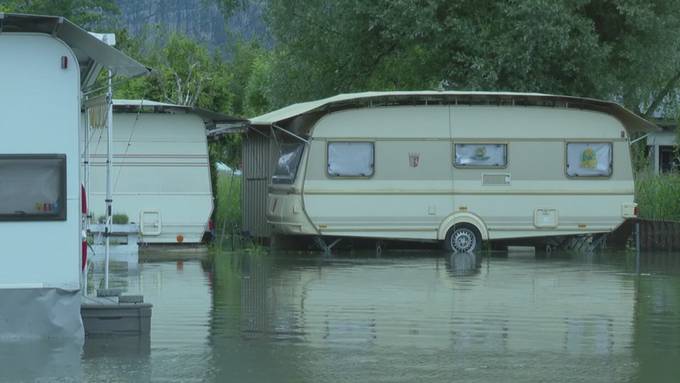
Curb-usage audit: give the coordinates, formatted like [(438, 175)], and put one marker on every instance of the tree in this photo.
[(184, 72), (616, 49)]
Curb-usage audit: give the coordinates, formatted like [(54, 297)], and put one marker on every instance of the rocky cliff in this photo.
[(199, 19)]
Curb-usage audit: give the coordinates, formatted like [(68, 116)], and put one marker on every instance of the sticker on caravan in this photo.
[(414, 159)]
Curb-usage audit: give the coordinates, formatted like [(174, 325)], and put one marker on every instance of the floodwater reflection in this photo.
[(419, 317)]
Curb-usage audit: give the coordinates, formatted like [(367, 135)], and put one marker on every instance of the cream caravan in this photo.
[(456, 167), (161, 172)]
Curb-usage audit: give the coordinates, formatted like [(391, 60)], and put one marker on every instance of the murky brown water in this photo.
[(412, 318)]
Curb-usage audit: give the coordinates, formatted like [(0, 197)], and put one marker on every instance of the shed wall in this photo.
[(258, 161)]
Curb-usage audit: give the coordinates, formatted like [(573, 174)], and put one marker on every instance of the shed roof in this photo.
[(211, 118), (92, 53), (631, 121)]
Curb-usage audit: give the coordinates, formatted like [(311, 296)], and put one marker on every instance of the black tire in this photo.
[(463, 238)]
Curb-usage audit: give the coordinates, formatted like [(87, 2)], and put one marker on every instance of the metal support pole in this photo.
[(109, 191), (637, 246), (86, 182)]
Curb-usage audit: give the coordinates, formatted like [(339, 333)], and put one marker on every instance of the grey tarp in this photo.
[(40, 313)]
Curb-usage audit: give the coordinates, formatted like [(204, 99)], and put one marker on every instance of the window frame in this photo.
[(332, 176), (61, 215), (505, 157), (275, 177), (593, 177)]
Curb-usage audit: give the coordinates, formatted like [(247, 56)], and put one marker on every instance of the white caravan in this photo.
[(161, 171), (457, 167), (47, 63)]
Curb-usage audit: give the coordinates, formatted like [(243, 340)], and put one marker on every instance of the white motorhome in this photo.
[(47, 64), (456, 167), (161, 171)]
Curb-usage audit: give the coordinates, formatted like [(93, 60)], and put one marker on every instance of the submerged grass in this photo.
[(658, 196), (228, 217), (228, 203)]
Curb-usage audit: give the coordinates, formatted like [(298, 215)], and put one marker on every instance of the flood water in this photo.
[(401, 317)]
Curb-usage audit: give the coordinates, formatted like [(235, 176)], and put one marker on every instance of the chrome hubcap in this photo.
[(463, 240)]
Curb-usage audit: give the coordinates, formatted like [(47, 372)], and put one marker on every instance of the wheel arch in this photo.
[(462, 217)]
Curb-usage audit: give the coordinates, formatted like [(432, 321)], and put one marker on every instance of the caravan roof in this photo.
[(210, 118), (630, 120), (92, 53)]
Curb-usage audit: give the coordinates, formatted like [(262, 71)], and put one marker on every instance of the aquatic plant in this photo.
[(658, 196)]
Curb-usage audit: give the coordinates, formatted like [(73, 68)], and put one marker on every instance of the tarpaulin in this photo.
[(40, 313)]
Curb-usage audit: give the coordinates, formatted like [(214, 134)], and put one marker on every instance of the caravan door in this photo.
[(150, 222)]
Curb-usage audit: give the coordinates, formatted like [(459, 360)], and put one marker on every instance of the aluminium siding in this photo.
[(257, 171)]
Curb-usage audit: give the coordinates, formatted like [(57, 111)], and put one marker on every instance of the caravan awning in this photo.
[(631, 121), (93, 54)]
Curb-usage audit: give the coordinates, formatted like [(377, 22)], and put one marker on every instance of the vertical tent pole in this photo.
[(86, 184), (86, 157), (109, 160)]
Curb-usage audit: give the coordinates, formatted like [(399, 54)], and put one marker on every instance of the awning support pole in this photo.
[(290, 133), (639, 138), (109, 193)]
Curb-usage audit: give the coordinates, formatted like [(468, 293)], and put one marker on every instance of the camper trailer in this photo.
[(161, 172), (454, 167), (47, 63)]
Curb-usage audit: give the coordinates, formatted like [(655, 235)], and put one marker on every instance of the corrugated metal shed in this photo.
[(258, 168)]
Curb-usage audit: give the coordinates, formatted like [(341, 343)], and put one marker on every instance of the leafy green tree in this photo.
[(184, 73), (622, 49)]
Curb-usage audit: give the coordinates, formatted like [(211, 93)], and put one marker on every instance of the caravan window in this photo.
[(287, 165), (32, 187), (589, 159), (481, 155), (350, 159)]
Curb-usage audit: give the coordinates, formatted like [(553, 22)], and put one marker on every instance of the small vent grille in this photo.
[(496, 179)]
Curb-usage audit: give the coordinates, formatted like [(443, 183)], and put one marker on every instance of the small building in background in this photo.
[(663, 148), (161, 170)]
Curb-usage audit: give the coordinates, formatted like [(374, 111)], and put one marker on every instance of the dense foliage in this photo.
[(623, 49)]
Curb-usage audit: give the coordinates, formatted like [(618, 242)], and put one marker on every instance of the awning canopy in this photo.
[(93, 54), (630, 120), (212, 119)]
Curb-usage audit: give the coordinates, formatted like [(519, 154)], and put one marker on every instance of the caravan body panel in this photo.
[(40, 273)]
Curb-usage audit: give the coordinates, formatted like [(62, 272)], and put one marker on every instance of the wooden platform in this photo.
[(172, 252), (108, 316)]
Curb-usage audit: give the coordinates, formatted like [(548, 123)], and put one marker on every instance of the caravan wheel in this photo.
[(463, 238)]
